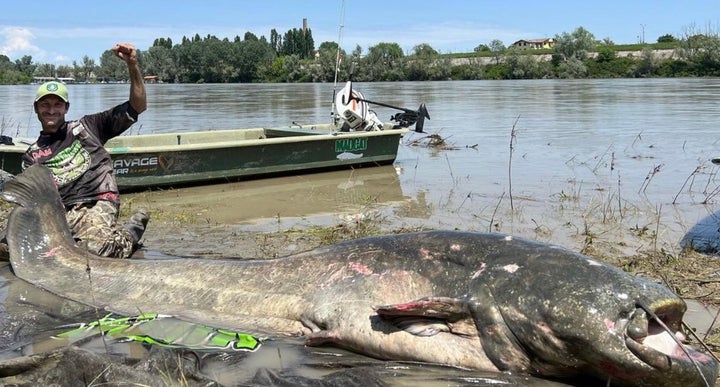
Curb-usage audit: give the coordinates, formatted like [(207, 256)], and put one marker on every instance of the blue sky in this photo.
[(60, 32)]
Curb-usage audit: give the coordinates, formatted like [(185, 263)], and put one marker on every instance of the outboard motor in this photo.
[(350, 105)]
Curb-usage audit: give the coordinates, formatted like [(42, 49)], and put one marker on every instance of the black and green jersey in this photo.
[(76, 155)]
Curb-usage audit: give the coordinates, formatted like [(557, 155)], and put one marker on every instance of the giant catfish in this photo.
[(482, 301)]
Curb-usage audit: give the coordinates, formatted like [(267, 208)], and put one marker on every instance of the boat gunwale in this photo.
[(249, 142), (117, 149)]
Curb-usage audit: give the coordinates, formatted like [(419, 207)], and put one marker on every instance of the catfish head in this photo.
[(561, 313), (548, 311)]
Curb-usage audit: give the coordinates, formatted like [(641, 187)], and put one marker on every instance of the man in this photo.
[(83, 170)]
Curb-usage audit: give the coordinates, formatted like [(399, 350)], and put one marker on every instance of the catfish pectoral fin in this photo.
[(420, 326), (430, 315)]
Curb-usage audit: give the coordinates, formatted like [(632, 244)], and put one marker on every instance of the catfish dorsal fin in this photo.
[(430, 315)]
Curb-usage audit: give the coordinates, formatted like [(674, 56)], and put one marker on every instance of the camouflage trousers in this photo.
[(95, 227)]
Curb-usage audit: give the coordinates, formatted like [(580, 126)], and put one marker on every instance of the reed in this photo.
[(513, 141)]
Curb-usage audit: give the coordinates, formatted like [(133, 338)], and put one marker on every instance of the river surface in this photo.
[(625, 146), (554, 160)]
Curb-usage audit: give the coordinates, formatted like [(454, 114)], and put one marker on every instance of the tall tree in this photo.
[(85, 70), (701, 49), (424, 50), (575, 45), (324, 64), (9, 75), (383, 62), (5, 63), (387, 54), (163, 42), (667, 38), (45, 70), (275, 40), (25, 65), (298, 42), (252, 56), (160, 60), (497, 48), (111, 67)]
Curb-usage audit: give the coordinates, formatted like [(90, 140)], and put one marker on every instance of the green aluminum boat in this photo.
[(192, 158)]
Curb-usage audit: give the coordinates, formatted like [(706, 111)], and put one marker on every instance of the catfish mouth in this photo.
[(654, 336)]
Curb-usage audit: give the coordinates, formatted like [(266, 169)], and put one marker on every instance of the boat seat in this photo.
[(289, 132)]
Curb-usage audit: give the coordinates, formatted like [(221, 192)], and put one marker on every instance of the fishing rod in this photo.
[(338, 57)]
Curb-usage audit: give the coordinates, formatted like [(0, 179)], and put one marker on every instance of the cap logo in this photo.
[(51, 87)]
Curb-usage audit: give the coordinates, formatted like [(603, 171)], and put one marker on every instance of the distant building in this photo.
[(535, 44), (37, 80)]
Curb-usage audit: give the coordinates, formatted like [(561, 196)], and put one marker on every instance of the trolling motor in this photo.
[(407, 117), (352, 106)]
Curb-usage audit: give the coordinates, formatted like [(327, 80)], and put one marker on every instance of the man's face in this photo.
[(51, 113)]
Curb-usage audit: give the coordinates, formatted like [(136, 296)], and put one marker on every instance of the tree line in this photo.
[(293, 57)]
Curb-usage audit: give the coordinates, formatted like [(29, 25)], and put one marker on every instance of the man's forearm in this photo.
[(138, 99)]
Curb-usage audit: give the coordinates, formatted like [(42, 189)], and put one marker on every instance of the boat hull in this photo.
[(193, 158)]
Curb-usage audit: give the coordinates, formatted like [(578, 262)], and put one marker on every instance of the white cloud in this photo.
[(50, 44), (17, 40)]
